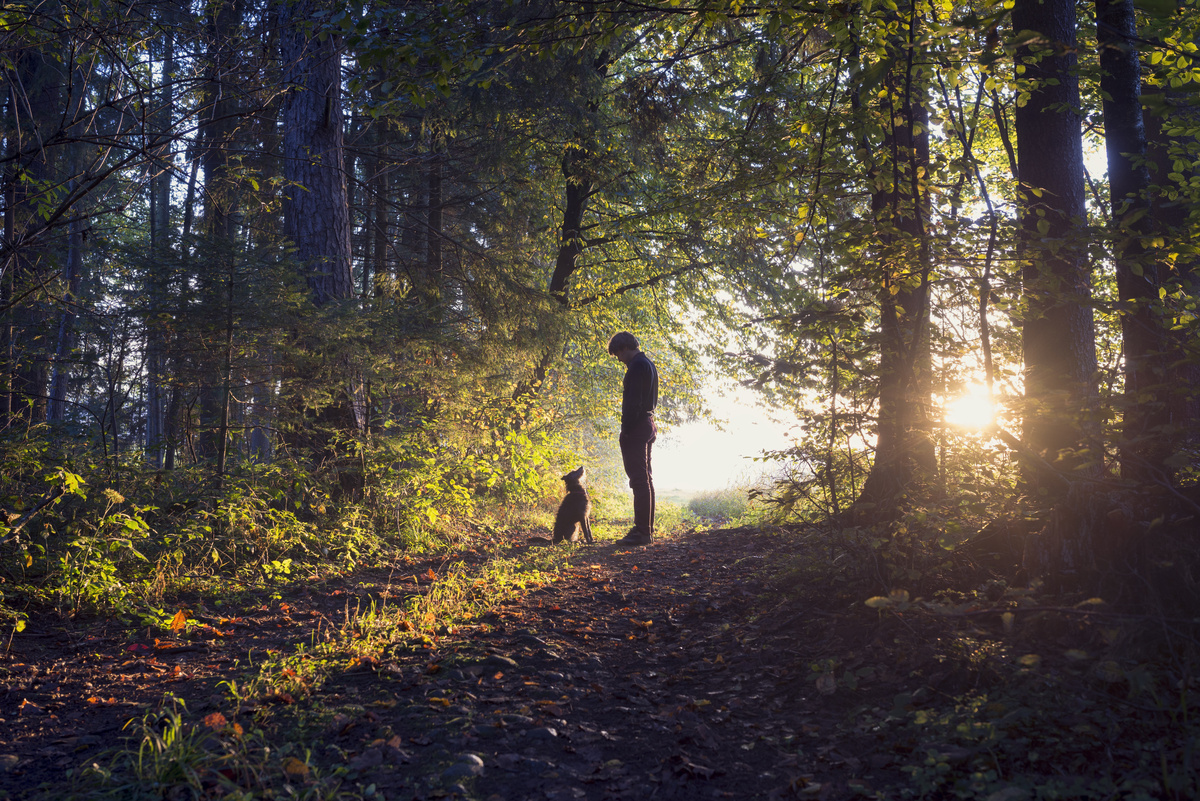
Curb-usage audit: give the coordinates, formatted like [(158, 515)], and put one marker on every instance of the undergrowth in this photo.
[(83, 532), (978, 683), (249, 749)]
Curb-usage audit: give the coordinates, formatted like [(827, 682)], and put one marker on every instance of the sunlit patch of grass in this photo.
[(720, 506), (362, 637), (172, 755)]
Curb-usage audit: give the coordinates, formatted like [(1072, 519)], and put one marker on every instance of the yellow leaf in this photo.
[(295, 768), (179, 621)]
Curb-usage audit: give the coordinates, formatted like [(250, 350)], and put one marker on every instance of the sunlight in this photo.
[(700, 456), (973, 409)]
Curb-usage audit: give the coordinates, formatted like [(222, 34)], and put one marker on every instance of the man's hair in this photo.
[(620, 341)]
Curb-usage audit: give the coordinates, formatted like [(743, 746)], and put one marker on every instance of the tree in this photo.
[(904, 449), (316, 203), (317, 217), (1058, 339)]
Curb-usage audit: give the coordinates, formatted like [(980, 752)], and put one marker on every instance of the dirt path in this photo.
[(641, 672)]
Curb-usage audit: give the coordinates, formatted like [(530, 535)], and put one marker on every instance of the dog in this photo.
[(574, 511)]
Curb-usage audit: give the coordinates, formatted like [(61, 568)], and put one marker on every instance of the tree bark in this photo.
[(316, 201), (1144, 446), (1058, 339), (160, 227), (317, 212), (905, 459), (220, 201)]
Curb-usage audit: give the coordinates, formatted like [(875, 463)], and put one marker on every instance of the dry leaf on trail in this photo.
[(180, 620), (429, 575), (295, 768), (215, 721)]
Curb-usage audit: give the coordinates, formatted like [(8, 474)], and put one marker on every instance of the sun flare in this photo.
[(974, 409)]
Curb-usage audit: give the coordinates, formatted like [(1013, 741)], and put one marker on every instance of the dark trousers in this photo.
[(636, 443)]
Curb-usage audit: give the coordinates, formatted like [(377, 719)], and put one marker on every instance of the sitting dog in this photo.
[(574, 511)]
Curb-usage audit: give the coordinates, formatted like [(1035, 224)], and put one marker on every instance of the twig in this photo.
[(54, 495)]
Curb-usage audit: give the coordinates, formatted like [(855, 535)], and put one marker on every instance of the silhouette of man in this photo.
[(638, 398)]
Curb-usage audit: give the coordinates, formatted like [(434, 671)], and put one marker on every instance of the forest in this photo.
[(313, 297)]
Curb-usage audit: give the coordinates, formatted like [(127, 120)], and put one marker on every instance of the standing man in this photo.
[(638, 432)]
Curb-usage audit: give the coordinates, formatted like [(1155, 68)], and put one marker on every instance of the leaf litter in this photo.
[(668, 672)]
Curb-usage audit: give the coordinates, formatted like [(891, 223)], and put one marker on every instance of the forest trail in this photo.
[(638, 673)]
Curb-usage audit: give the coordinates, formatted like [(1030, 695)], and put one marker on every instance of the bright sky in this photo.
[(697, 456)]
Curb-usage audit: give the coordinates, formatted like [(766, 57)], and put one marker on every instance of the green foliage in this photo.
[(720, 506), (179, 756), (85, 546)]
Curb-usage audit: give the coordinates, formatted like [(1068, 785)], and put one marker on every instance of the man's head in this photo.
[(623, 344)]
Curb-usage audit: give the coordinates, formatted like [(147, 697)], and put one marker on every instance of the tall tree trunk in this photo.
[(905, 459), (317, 212), (160, 226), (1168, 118), (220, 200), (35, 95), (1057, 334), (316, 202), (56, 410), (1144, 446)]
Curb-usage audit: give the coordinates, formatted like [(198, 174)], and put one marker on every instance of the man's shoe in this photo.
[(635, 537)]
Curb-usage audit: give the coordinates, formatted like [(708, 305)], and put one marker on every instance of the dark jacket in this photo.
[(640, 391)]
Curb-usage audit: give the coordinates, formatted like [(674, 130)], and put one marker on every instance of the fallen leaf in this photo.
[(295, 768), (216, 721), (179, 621)]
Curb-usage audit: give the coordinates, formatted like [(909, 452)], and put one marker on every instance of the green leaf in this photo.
[(1163, 9)]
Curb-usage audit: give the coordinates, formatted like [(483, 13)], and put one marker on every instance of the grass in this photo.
[(251, 749)]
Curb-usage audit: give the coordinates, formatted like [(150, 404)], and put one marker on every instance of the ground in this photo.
[(672, 671), (639, 670)]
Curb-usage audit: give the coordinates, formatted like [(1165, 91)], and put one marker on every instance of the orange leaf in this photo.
[(179, 621), (215, 721), (429, 575)]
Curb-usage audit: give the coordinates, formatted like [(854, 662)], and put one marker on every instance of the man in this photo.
[(638, 432)]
